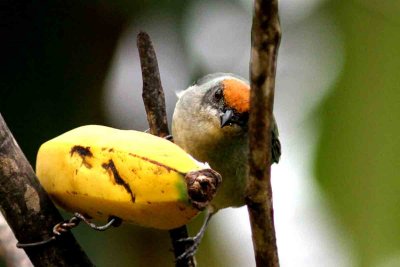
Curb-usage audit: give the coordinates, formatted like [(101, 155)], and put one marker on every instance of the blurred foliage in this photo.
[(357, 162), (57, 54)]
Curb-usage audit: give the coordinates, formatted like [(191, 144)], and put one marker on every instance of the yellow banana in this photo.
[(140, 178)]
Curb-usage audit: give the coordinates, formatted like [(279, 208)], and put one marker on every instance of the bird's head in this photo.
[(217, 103)]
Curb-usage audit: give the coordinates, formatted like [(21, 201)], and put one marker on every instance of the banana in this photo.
[(143, 179)]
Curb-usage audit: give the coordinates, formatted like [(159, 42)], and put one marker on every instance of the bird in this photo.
[(210, 122)]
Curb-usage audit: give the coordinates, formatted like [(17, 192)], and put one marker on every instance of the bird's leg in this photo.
[(190, 251)]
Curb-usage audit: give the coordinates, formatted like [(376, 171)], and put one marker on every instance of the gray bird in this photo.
[(210, 122)]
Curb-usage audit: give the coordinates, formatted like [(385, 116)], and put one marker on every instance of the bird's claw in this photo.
[(195, 241), (187, 239), (192, 249)]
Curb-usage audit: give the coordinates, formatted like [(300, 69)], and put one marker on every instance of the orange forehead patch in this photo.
[(236, 95)]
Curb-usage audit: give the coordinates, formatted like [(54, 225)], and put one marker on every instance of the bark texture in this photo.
[(265, 38)]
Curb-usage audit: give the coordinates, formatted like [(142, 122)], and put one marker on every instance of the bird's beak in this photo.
[(226, 117)]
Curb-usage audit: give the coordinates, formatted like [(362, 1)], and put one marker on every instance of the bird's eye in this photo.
[(218, 95)]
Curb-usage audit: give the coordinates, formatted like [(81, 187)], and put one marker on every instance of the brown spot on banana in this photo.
[(155, 162), (110, 166), (157, 171), (83, 152)]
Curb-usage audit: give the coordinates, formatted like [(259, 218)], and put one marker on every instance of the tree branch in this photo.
[(29, 211), (154, 102), (266, 34), (153, 94)]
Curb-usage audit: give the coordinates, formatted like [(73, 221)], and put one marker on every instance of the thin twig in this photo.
[(265, 35), (154, 101), (29, 211)]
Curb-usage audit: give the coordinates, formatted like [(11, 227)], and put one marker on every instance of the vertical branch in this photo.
[(154, 102), (153, 94), (29, 211), (265, 39)]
